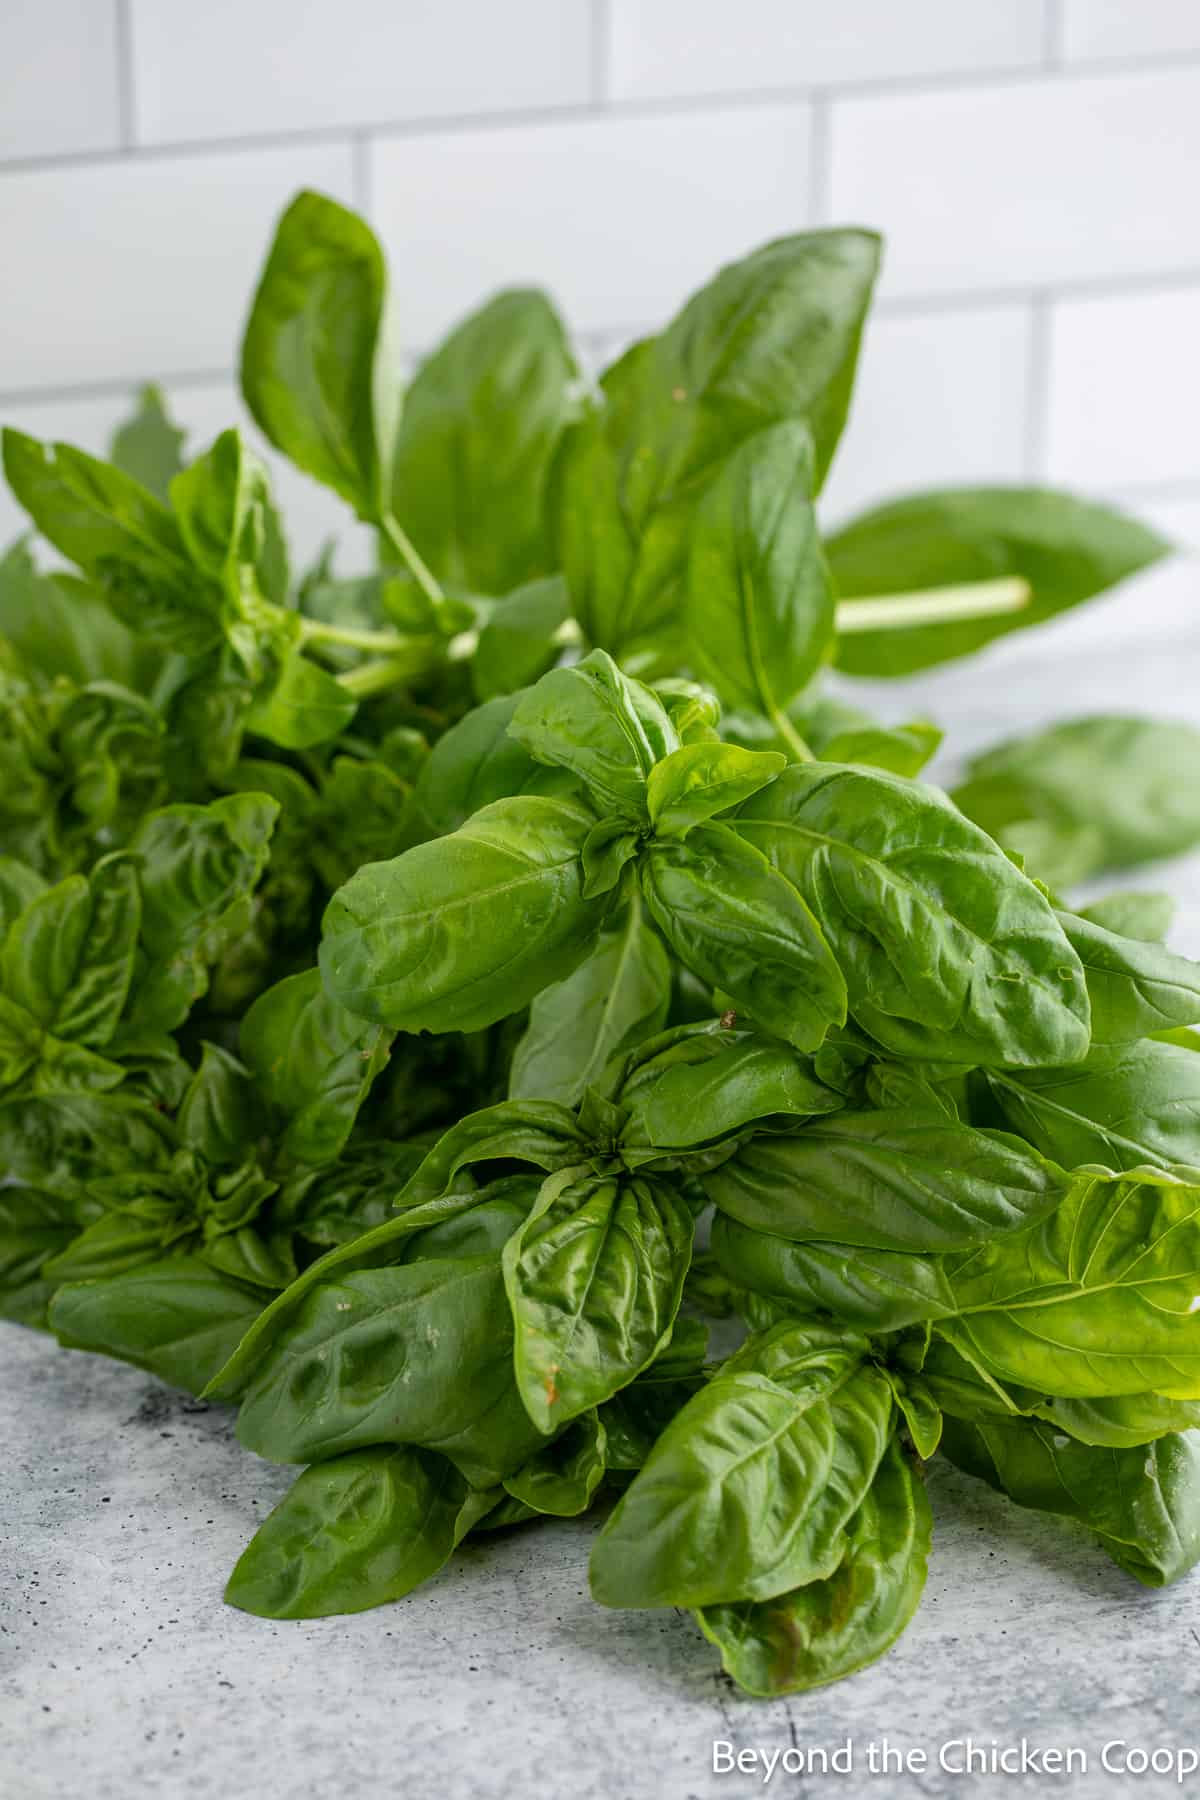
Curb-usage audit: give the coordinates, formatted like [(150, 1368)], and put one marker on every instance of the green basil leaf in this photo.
[(520, 640), (222, 502), (34, 1227), (740, 926), (147, 446), (887, 1182), (1143, 1107), (1104, 793), (1097, 1300), (20, 886), (606, 728), (415, 1354), (707, 1084), (830, 1628), (314, 1062), (315, 373), (120, 535), (219, 1115), (870, 1290), (1134, 988), (61, 626), (480, 423), (1121, 1422), (68, 959), (594, 1278), (948, 951), (178, 1318), (759, 606), (540, 1132), (462, 931), (303, 705), (750, 1489), (475, 763), (699, 780), (617, 996), (197, 868), (838, 733), (1143, 1503), (1067, 549), (562, 1479), (1145, 916), (773, 337), (355, 1532)]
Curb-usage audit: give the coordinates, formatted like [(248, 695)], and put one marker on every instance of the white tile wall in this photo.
[(1129, 28), (711, 47), (59, 77), (232, 68), (1035, 165), (1019, 183), (1124, 397), (142, 266), (940, 401), (619, 217)]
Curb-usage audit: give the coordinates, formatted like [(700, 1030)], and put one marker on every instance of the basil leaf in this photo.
[(540, 1132), (314, 1063), (1068, 550), (219, 1115), (480, 423), (303, 705), (520, 640), (61, 626), (34, 1227), (827, 1629), (222, 502), (740, 926), (1095, 1301), (148, 446), (1143, 1503), (1147, 917), (607, 729), (707, 1084), (1134, 988), (887, 1182), (197, 868), (698, 780), (594, 1278), (415, 1354), (474, 764), (750, 1489), (315, 372), (68, 958), (562, 1479), (355, 1532), (178, 1318), (617, 996), (1096, 793), (759, 607), (460, 932), (1141, 1107), (948, 951), (772, 337), (867, 1289), (1121, 1422)]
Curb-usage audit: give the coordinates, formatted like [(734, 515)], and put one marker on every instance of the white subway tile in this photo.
[(1124, 393), (131, 267), (58, 77), (228, 68), (673, 47), (1019, 183), (940, 401), (1114, 28), (620, 218), (311, 513)]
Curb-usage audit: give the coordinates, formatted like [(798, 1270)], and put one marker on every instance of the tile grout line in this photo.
[(126, 81), (1037, 384), (110, 387), (575, 112), (361, 172), (601, 49), (820, 150), (1054, 35)]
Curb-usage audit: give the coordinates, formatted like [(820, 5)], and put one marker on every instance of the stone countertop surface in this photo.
[(123, 1506)]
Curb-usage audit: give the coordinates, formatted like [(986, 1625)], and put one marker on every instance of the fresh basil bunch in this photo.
[(430, 1000)]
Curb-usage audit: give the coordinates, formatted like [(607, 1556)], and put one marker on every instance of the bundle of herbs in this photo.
[(430, 1000)]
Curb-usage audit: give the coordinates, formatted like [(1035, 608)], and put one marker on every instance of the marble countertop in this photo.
[(123, 1506)]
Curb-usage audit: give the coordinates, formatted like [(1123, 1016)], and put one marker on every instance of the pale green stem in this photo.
[(408, 553), (377, 677), (933, 606), (315, 631), (800, 751)]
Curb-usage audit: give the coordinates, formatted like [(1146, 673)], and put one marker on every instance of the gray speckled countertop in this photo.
[(123, 1506)]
